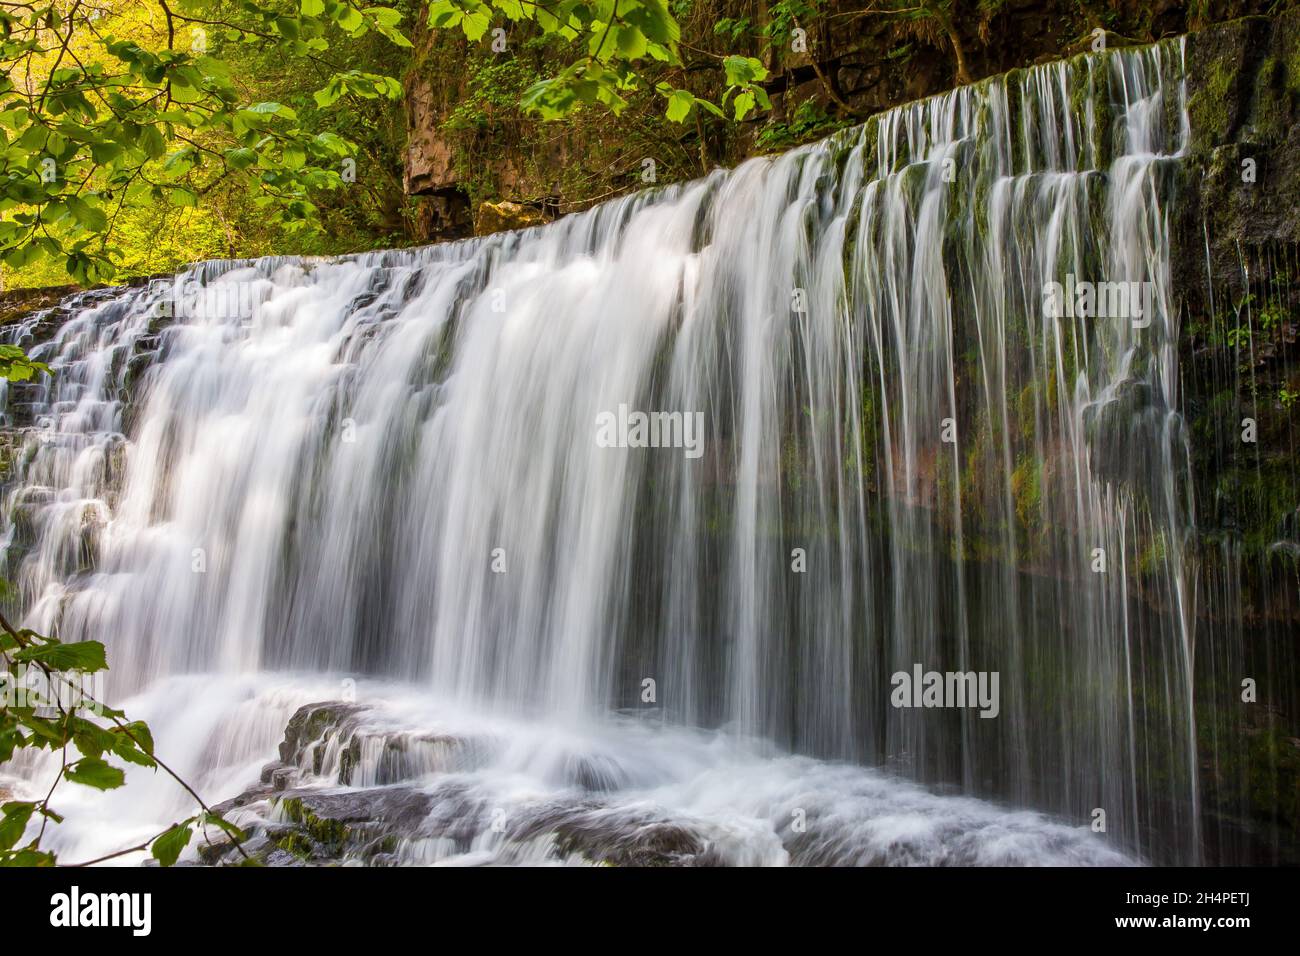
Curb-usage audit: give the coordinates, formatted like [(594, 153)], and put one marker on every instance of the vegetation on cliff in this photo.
[(140, 136)]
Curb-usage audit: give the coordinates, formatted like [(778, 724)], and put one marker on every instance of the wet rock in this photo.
[(320, 827), (17, 303), (329, 814), (595, 773), (280, 776), (308, 727), (246, 799), (502, 216), (288, 821), (1243, 96), (617, 838)]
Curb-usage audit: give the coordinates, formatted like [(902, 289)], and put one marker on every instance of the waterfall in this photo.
[(913, 451)]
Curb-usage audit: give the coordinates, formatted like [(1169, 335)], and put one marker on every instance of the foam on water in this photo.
[(738, 796)]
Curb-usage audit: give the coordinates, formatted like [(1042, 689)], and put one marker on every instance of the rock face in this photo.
[(428, 171), (501, 216), (1235, 248), (1243, 91), (1235, 260), (18, 303)]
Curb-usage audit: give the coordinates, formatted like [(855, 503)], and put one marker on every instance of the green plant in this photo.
[(16, 366), (1271, 316), (59, 716), (623, 40), (100, 114), (809, 121)]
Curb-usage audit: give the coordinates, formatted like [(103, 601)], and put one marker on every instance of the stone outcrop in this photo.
[(1243, 183), (501, 216), (428, 171)]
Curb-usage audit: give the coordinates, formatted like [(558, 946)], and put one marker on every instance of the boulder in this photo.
[(505, 215)]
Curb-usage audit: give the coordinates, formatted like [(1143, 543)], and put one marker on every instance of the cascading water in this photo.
[(264, 475)]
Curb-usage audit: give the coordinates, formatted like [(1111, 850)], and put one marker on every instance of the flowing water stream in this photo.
[(263, 477)]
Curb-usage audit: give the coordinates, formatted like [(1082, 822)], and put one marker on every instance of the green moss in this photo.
[(1027, 490), (1260, 777), (1260, 498), (1027, 412), (296, 843), (1154, 555), (328, 833), (1208, 107)]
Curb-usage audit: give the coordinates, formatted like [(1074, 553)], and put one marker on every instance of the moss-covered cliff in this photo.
[(1236, 261), (468, 141)]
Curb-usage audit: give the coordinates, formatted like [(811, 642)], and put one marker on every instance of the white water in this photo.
[(733, 794), (320, 480)]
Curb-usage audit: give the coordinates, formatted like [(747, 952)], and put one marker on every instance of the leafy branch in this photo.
[(96, 115), (622, 39)]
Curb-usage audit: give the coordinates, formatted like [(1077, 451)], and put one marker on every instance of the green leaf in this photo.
[(632, 43), (136, 733), (91, 739), (27, 858), (16, 815), (93, 772), (476, 24), (710, 106), (85, 656), (679, 105), (217, 820), (444, 13), (182, 197), (273, 109), (349, 18), (167, 848), (312, 8), (742, 70), (241, 158), (105, 151), (91, 217), (743, 103), (152, 142)]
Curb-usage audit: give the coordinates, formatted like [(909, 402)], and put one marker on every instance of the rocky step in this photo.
[(307, 808), (387, 826), (342, 743)]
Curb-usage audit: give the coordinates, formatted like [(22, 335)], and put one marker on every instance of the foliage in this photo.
[(623, 39), (808, 121), (105, 110), (47, 717), (15, 366)]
